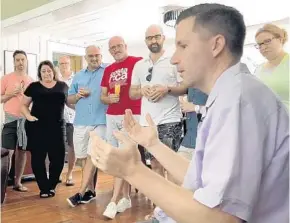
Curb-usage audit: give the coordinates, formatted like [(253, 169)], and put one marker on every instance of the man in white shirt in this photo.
[(67, 76), (152, 80)]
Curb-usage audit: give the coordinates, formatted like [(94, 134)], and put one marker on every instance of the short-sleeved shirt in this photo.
[(121, 73), (241, 162), (196, 97), (47, 103), (90, 111), (167, 109), (69, 113), (8, 84)]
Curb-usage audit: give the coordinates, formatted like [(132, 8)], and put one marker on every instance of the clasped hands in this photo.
[(154, 93), (122, 162)]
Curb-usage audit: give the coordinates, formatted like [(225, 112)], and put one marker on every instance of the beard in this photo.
[(155, 48)]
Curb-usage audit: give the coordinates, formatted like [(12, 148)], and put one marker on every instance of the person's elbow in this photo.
[(71, 100)]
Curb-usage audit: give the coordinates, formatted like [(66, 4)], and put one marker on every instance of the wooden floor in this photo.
[(28, 207)]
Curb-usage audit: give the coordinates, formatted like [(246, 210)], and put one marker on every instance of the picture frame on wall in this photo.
[(31, 63)]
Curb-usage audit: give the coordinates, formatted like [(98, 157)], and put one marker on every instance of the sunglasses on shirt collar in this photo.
[(149, 76)]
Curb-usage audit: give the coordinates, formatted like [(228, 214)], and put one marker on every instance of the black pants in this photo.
[(56, 162)]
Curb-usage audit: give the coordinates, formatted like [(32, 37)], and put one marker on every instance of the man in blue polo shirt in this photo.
[(90, 116), (192, 107)]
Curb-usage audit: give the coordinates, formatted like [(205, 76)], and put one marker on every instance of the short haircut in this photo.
[(16, 52), (48, 63), (219, 19)]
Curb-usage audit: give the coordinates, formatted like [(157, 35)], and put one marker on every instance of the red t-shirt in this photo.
[(121, 73)]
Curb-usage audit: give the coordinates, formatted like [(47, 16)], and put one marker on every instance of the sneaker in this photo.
[(111, 210), (123, 205), (74, 200), (88, 197)]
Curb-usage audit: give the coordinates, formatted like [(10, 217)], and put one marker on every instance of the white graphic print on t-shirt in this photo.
[(118, 77)]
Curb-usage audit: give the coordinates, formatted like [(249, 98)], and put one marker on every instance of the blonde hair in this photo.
[(275, 30)]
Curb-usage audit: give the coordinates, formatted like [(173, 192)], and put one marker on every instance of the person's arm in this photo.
[(178, 90), (227, 164), (104, 96), (6, 96), (175, 164), (135, 87), (135, 92), (66, 89), (26, 103), (177, 202), (25, 107), (73, 94)]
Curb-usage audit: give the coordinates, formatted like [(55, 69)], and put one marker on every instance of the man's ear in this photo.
[(218, 44)]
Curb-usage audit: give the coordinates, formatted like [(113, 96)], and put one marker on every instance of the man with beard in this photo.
[(157, 82), (115, 93), (90, 115), (13, 135)]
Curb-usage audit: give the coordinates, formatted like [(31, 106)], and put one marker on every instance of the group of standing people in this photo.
[(55, 113)]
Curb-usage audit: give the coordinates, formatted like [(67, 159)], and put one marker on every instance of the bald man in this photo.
[(67, 76), (90, 116), (115, 93), (157, 82)]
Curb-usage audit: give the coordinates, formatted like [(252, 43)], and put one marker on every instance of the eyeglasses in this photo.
[(156, 37), (149, 76), (114, 48), (265, 42)]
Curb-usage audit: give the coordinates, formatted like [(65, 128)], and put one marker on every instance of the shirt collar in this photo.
[(103, 66), (221, 82), (70, 77), (163, 57)]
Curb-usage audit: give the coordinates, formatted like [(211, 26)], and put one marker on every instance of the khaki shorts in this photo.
[(81, 138)]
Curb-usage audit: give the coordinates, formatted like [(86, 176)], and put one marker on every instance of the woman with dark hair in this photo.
[(45, 127)]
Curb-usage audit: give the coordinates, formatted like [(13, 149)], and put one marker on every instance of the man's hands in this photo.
[(119, 162), (122, 162), (185, 105), (32, 118), (154, 93), (83, 92), (114, 98)]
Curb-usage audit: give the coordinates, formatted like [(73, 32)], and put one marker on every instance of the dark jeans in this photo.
[(56, 162)]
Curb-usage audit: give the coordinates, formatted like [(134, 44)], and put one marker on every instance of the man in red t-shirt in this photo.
[(115, 92)]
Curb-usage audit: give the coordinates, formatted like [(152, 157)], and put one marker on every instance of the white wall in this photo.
[(37, 44)]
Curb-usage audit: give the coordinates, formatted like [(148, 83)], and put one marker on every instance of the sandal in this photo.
[(20, 188), (69, 183)]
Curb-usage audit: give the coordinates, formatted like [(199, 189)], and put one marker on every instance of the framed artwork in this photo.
[(31, 63)]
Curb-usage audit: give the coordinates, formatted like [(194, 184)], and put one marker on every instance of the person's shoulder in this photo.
[(254, 93), (8, 76), (135, 59), (79, 74), (139, 64)]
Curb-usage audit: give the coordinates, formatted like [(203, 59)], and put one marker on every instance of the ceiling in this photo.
[(94, 21), (10, 8)]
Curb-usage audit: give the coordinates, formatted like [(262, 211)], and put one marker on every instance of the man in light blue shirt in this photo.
[(90, 115)]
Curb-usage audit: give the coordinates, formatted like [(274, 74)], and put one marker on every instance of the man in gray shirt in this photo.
[(240, 172)]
